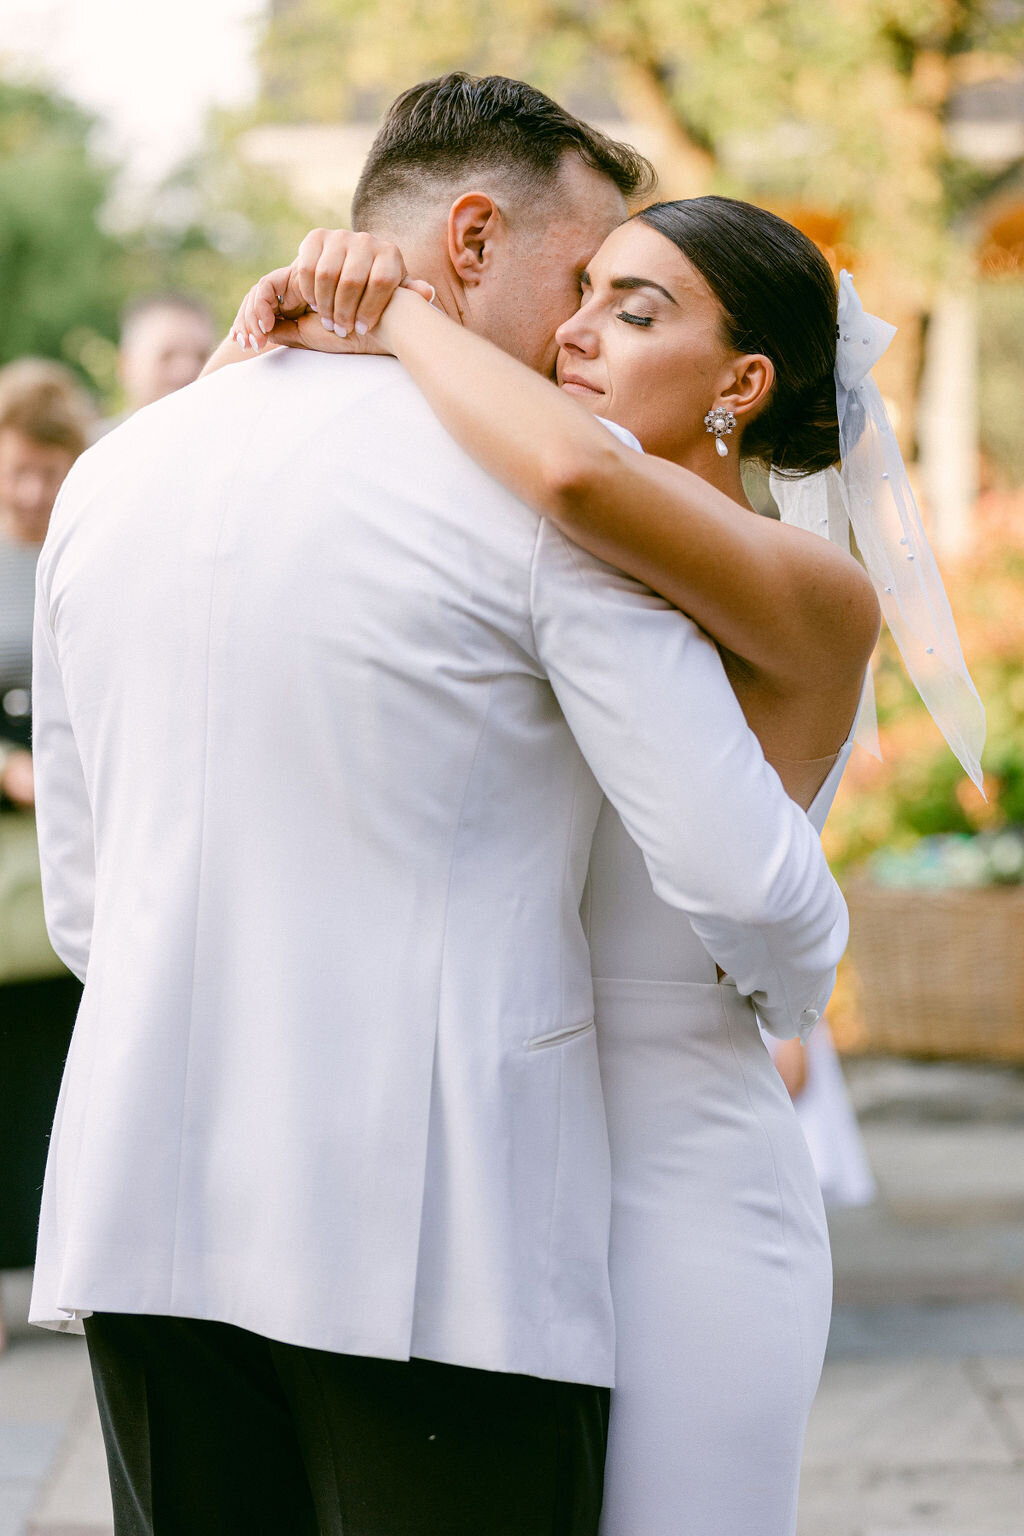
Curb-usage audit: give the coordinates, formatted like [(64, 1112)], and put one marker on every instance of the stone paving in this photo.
[(918, 1429), (919, 1425), (52, 1472)]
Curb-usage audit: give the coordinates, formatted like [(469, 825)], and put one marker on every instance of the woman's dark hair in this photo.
[(780, 299), (458, 125)]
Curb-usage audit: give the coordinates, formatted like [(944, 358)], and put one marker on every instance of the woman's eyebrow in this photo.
[(627, 284)]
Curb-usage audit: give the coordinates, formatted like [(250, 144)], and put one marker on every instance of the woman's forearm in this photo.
[(228, 351), (518, 425), (767, 593)]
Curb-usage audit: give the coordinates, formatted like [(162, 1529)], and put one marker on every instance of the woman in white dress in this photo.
[(708, 330)]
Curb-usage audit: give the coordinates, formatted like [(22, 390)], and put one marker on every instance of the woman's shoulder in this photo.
[(840, 604)]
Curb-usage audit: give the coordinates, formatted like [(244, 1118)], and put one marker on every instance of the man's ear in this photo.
[(749, 386), (474, 222)]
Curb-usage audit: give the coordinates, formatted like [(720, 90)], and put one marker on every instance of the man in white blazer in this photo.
[(323, 721)]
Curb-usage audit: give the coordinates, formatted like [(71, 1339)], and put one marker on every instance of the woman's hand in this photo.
[(345, 279)]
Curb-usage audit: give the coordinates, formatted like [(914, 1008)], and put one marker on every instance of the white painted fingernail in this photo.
[(262, 326), (328, 325), (361, 327), (254, 343), (341, 330), (314, 309)]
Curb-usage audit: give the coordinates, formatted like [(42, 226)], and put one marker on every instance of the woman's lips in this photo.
[(578, 386)]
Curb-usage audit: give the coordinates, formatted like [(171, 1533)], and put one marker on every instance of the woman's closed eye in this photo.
[(631, 319)]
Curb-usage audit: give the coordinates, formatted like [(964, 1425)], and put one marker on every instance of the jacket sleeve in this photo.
[(645, 694), (63, 812)]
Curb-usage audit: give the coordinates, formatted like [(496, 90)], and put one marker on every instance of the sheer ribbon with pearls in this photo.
[(871, 496)]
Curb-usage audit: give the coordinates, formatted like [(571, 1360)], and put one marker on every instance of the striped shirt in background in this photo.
[(17, 599)]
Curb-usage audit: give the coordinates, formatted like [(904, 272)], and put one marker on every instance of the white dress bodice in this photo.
[(634, 934)]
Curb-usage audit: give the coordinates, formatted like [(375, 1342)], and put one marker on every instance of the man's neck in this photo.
[(426, 262)]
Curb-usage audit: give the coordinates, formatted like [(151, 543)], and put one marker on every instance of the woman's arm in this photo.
[(346, 279), (225, 352), (790, 605), (790, 1060), (798, 616)]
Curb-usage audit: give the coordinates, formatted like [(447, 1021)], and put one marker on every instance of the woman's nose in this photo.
[(577, 335)]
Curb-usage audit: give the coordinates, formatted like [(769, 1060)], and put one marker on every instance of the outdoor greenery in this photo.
[(60, 270), (215, 225), (918, 789), (952, 861), (838, 104), (66, 272)]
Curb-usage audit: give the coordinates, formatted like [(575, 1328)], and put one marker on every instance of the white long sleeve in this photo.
[(646, 696), (63, 812)]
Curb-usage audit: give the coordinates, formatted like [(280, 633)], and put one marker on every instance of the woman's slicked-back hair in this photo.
[(779, 299), (457, 126)]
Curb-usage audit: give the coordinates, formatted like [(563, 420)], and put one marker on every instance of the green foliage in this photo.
[(919, 789), (947, 27), (212, 229), (215, 226), (721, 67), (59, 269)]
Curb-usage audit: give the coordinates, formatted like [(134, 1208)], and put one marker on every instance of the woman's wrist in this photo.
[(394, 326)]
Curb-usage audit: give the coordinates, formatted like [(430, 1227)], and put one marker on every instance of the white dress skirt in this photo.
[(720, 1264)]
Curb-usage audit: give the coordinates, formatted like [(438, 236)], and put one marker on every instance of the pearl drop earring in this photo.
[(720, 421)]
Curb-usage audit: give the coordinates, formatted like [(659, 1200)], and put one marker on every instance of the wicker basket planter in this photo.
[(939, 972)]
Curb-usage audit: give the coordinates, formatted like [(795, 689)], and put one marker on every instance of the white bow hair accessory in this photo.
[(872, 496)]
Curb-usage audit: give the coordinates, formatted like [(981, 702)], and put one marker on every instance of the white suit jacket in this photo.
[(321, 718)]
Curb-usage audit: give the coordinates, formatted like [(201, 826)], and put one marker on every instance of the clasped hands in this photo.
[(332, 298)]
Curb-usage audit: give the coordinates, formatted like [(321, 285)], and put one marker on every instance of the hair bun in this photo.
[(805, 438)]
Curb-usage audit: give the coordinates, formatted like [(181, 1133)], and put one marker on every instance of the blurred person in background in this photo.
[(45, 422), (165, 341)]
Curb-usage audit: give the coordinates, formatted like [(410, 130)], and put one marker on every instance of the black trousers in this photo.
[(36, 1020), (213, 1431)]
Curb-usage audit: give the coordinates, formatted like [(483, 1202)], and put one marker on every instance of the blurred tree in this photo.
[(1001, 333), (705, 76), (215, 225), (839, 104), (918, 788), (60, 270), (834, 114)]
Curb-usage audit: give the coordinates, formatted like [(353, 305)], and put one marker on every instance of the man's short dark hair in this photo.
[(458, 125)]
